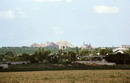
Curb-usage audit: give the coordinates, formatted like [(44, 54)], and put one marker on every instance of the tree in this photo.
[(77, 50), (105, 51), (60, 51), (25, 57), (40, 55), (11, 56), (33, 58), (2, 57), (10, 53), (71, 56), (54, 58), (118, 58), (85, 52)]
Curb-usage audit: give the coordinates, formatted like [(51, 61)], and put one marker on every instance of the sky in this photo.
[(99, 22)]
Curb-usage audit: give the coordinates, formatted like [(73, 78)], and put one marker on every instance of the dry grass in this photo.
[(67, 76)]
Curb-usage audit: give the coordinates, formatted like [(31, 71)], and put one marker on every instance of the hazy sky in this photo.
[(99, 22)]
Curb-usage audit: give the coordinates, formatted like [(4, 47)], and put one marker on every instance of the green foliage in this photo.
[(19, 50), (85, 52), (105, 51), (2, 57), (127, 52), (54, 58), (71, 56), (11, 53), (24, 57), (44, 55), (40, 55), (60, 51), (10, 56)]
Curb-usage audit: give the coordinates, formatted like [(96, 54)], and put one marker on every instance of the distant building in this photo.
[(63, 47), (121, 49), (86, 46), (125, 46)]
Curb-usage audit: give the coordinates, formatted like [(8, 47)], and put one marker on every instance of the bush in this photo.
[(118, 58)]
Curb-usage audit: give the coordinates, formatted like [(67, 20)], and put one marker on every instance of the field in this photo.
[(59, 73), (67, 76)]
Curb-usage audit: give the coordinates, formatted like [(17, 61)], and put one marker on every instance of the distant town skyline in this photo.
[(103, 23)]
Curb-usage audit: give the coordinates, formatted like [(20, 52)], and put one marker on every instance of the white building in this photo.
[(86, 46), (63, 47), (125, 46), (121, 49)]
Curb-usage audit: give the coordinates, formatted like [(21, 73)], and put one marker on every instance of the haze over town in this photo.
[(99, 22)]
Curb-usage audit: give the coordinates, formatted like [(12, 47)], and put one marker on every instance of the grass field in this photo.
[(67, 76)]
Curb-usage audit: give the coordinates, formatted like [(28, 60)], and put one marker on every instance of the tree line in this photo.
[(42, 55)]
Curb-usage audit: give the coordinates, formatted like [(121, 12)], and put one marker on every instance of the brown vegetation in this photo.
[(67, 76)]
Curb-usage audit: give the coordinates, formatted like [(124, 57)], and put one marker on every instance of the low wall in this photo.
[(4, 65), (95, 62), (22, 62)]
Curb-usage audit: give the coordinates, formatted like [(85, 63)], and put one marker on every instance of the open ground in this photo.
[(67, 76)]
